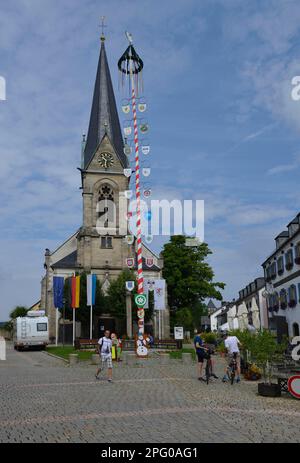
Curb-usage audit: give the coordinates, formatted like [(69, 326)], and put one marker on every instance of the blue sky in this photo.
[(223, 125)]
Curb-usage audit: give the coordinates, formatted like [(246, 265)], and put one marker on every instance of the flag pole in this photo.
[(74, 320), (56, 326), (91, 322)]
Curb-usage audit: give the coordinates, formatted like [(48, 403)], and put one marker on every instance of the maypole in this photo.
[(130, 64)]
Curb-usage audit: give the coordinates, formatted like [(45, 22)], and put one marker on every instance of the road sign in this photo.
[(140, 300), (294, 386)]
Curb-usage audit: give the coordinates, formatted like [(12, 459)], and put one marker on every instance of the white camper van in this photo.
[(31, 331)]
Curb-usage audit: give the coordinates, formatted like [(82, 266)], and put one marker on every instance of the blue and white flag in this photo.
[(58, 292), (91, 281)]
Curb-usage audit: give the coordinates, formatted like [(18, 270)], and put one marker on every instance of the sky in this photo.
[(224, 128)]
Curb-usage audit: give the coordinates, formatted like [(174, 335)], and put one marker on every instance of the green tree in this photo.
[(18, 311), (189, 277), (184, 317), (116, 294)]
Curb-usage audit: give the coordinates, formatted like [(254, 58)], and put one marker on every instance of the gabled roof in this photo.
[(104, 117)]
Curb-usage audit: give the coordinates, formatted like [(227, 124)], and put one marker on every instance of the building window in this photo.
[(276, 301), (41, 326), (106, 242), (273, 271), (105, 206), (280, 265), (283, 299), (289, 262), (268, 273), (292, 296), (295, 329), (297, 253)]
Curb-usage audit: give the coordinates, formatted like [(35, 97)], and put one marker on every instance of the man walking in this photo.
[(104, 350)]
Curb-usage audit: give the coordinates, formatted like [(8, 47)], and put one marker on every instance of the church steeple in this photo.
[(104, 117)]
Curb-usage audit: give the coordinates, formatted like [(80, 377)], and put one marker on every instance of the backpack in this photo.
[(100, 347)]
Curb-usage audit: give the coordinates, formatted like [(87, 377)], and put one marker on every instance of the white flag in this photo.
[(159, 294)]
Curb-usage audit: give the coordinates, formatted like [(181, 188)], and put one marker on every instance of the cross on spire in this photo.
[(102, 25)]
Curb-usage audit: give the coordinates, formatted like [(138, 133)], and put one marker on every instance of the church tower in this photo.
[(99, 245), (101, 238)]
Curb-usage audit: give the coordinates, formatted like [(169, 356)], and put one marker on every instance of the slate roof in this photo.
[(104, 115), (68, 261)]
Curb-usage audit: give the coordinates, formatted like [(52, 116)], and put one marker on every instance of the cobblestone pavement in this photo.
[(44, 400)]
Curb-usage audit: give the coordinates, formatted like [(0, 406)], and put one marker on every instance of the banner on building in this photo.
[(58, 292), (159, 294)]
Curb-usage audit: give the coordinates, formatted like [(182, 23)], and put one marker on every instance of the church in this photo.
[(104, 251)]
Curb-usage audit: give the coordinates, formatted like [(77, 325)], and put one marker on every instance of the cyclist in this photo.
[(232, 345)]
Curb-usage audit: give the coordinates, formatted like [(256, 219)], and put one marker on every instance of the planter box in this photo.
[(269, 390)]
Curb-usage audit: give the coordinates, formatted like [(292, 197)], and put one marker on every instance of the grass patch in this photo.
[(177, 354), (64, 352)]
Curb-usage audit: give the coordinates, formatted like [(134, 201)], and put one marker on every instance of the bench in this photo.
[(85, 343), (129, 344), (163, 344)]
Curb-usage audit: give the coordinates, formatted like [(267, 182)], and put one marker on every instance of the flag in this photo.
[(91, 281), (159, 294), (58, 292), (75, 289)]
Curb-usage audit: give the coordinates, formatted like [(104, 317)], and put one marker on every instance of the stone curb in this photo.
[(56, 356)]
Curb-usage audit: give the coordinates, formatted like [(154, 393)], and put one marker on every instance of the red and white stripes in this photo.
[(138, 199)]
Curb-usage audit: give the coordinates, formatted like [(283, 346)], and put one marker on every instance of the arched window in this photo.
[(295, 329), (283, 299), (292, 296), (105, 199)]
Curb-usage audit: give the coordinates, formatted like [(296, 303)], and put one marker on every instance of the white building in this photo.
[(252, 302), (282, 274)]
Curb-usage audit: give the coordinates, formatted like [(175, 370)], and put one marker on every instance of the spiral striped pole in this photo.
[(138, 198)]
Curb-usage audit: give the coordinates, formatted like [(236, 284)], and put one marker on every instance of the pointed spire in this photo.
[(104, 117)]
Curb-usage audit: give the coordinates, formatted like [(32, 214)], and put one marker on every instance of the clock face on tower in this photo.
[(106, 160)]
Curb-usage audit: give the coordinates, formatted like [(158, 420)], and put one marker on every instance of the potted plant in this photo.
[(265, 350)]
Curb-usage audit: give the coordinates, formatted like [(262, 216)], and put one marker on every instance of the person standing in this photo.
[(119, 349), (200, 352), (104, 350)]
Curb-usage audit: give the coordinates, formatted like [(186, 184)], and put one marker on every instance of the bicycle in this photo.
[(208, 366), (232, 368)]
